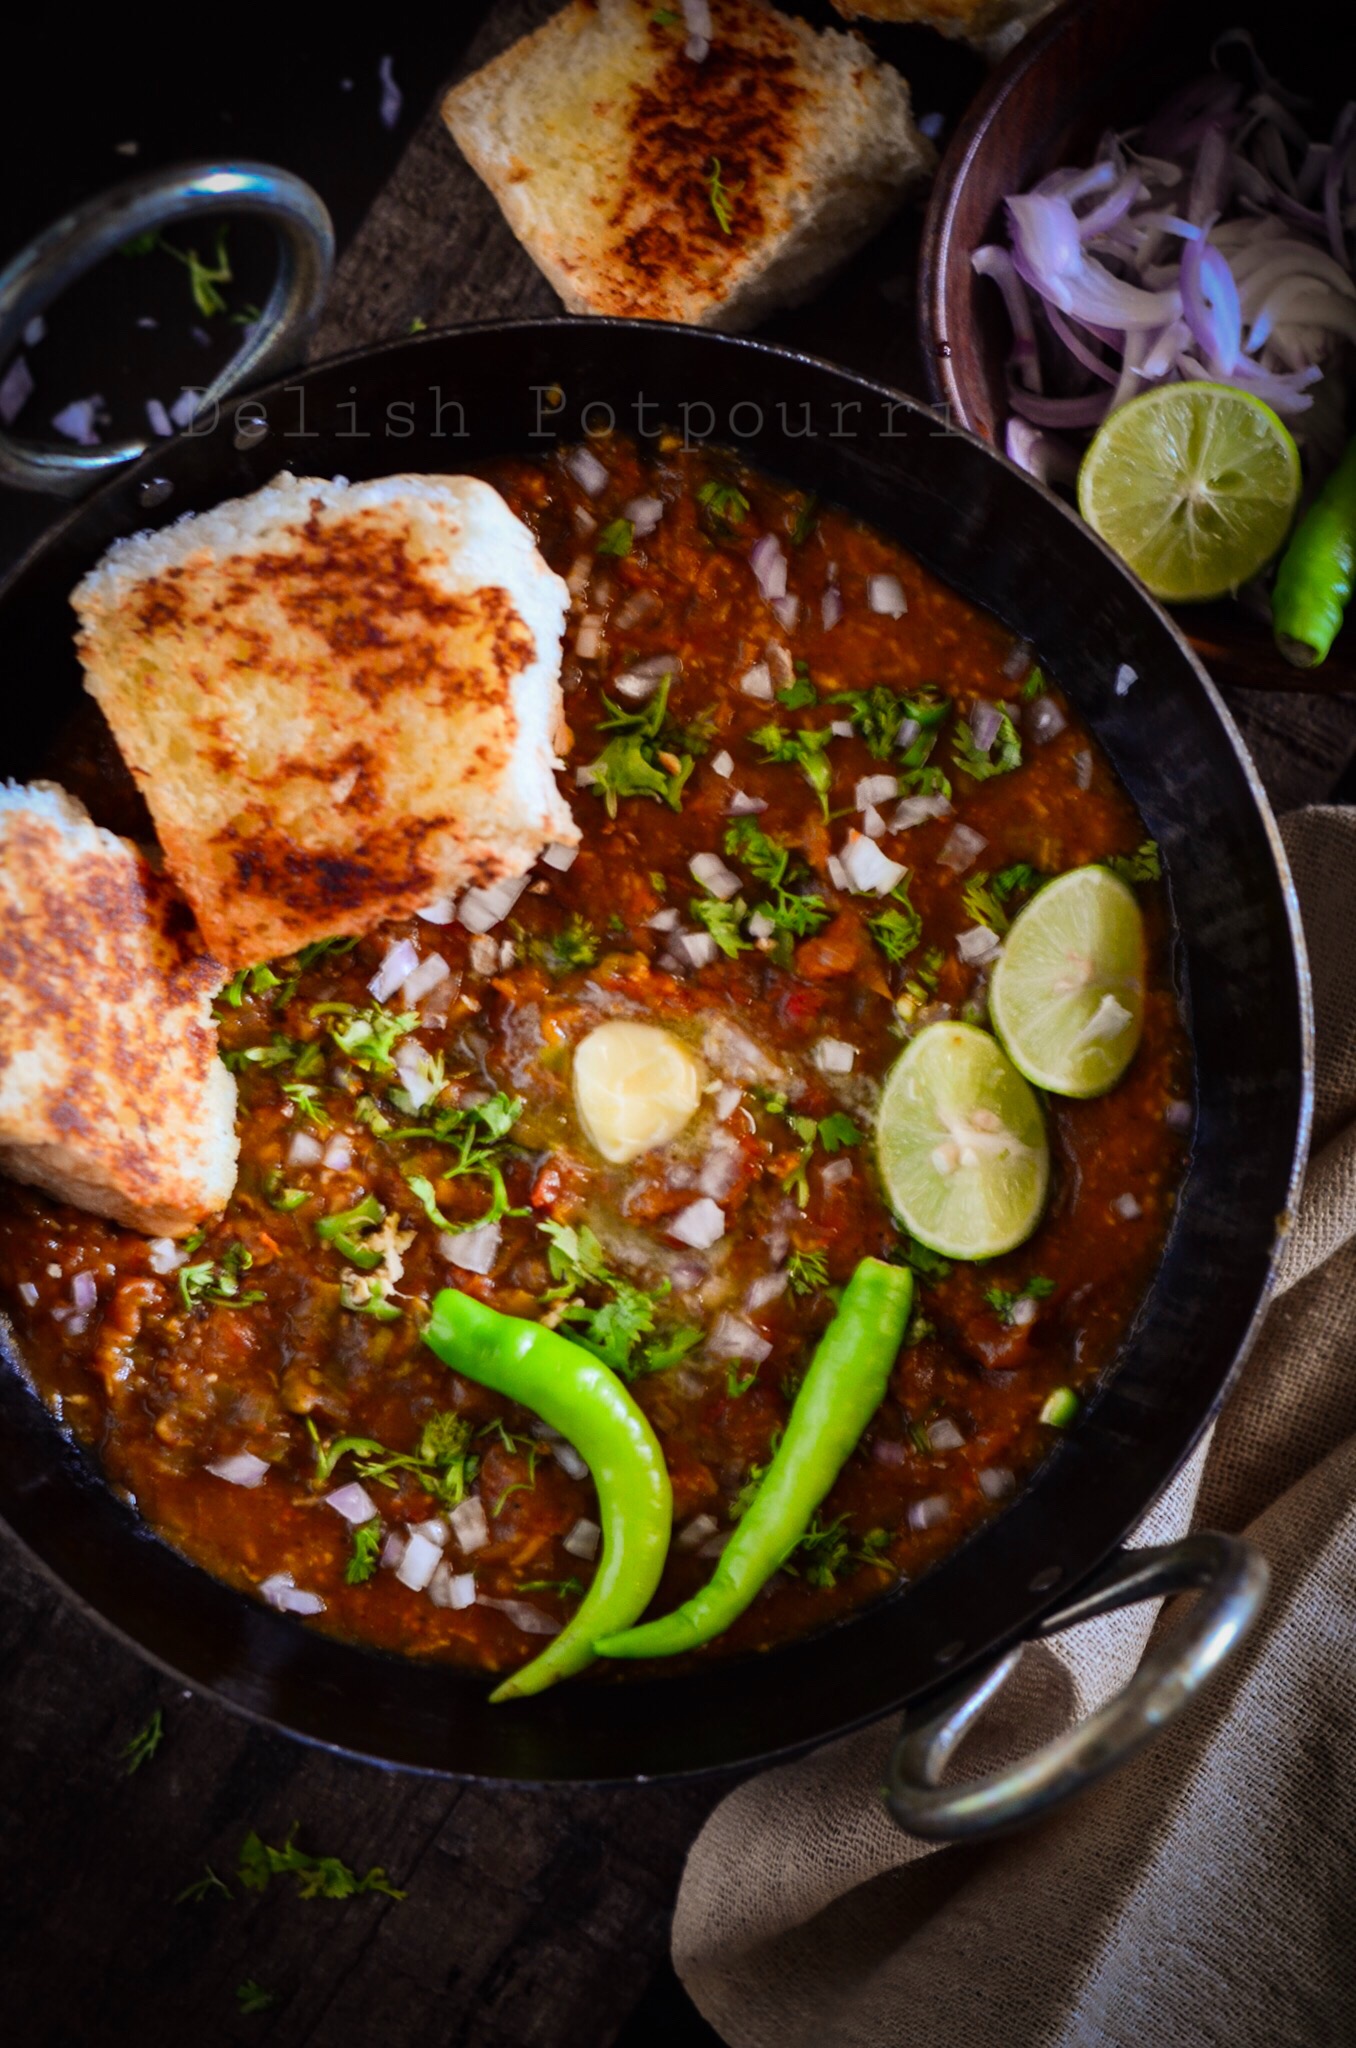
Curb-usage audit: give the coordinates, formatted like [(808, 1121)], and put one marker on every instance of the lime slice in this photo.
[(1067, 994), (1193, 485), (961, 1145)]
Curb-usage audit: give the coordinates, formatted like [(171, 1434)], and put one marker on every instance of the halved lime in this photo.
[(961, 1144), (1067, 994), (1193, 485)]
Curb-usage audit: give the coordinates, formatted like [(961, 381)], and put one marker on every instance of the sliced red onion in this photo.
[(1126, 678), (978, 945), (664, 920), (1048, 254), (718, 880), (830, 607), (583, 1539), (305, 1150), (694, 1533), (731, 1337), (985, 721), (281, 1590), (929, 1513), (835, 1056), (426, 976), (1024, 357), (569, 1460), (757, 682), (943, 1435), (962, 848), (28, 1293), (835, 1172), (452, 1589), (1127, 1208), (1068, 414), (530, 1620), (786, 611), (241, 1469), (742, 805), (471, 1251), (763, 1292), (699, 947), (338, 1154), (1043, 720), (441, 911), (482, 909), (1043, 456), (722, 764), (420, 1561), (867, 869), (15, 390), (916, 810), (353, 1502), (644, 515), (768, 564), (84, 1291), (885, 595), (470, 1525), (700, 1225), (996, 1482), (587, 470), (1178, 1116), (877, 789)]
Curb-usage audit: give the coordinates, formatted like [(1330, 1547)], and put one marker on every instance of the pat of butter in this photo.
[(635, 1087)]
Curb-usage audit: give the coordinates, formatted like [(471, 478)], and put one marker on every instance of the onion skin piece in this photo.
[(1318, 571), (576, 1394)]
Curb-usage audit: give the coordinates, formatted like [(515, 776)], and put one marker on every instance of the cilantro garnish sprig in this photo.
[(1003, 754), (637, 760), (216, 1282), (442, 1463), (806, 748), (623, 1331), (781, 872)]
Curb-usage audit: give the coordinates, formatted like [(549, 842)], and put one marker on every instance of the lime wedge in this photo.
[(960, 1142), (1067, 994), (1193, 485)]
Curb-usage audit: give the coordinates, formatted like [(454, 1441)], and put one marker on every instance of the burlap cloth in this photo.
[(1204, 1894)]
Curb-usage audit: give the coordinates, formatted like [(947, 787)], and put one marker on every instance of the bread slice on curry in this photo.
[(339, 701), (111, 1092), (649, 180)]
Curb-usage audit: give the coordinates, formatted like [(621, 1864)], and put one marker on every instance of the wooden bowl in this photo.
[(1089, 66)]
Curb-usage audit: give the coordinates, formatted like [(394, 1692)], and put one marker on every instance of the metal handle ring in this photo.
[(87, 234), (1232, 1579)]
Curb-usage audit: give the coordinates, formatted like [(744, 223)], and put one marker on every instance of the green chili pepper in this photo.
[(842, 1389), (1318, 570), (575, 1393)]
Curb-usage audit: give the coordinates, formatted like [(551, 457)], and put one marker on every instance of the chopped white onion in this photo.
[(84, 1291), (1177, 1116), (581, 569), (433, 1530), (700, 947), (426, 977), (742, 805), (731, 1337), (962, 848), (392, 1550), (909, 729), (916, 810), (1109, 1018), (997, 1482), (483, 954), (769, 566), (837, 872), (1127, 1208), (643, 678), (885, 594), (842, 728), (664, 920), (727, 1101), (1083, 769), (723, 764), (872, 823), (831, 607), (470, 1524), (926, 1514), (718, 880), (697, 21), (1126, 678), (868, 870), (482, 909), (644, 515), (400, 962), (694, 1533), (757, 682), (281, 1590), (588, 641), (943, 1435), (587, 470), (442, 910), (243, 1469), (583, 1539), (28, 1293), (452, 1589), (420, 1075), (835, 1056), (1023, 1312), (762, 1292), (1043, 720), (419, 1563), (17, 388), (701, 1225), (1018, 660), (978, 945), (529, 1619), (569, 1460), (875, 789), (305, 1150), (353, 1502), (561, 857), (985, 722), (471, 1251), (761, 926), (338, 1154), (163, 1255), (786, 611), (836, 1170)]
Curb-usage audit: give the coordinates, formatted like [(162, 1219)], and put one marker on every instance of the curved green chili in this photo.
[(575, 1393), (843, 1388), (1318, 570)]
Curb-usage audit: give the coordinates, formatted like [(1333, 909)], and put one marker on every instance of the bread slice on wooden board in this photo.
[(111, 1092), (647, 181), (339, 701)]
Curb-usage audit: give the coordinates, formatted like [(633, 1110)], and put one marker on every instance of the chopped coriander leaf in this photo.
[(528, 1485), (218, 1281), (248, 980), (203, 1887), (474, 1133), (203, 278), (877, 715), (777, 868), (806, 520), (637, 761), (1034, 686), (722, 205), (668, 1349), (832, 1132), (366, 1541), (365, 1297), (803, 749), (896, 932), (722, 921), (725, 506), (827, 1550), (370, 1113), (616, 1331), (753, 1479), (929, 1265), (807, 1272), (981, 904), (422, 1189), (318, 1877), (1143, 865), (1003, 754), (443, 1462), (320, 949), (922, 983), (144, 1743), (367, 1037), (1019, 880), (277, 1053), (343, 1229), (666, 18), (1003, 1300), (505, 1435), (837, 1131), (564, 1589), (252, 1997), (304, 1094), (575, 945), (735, 1386), (800, 691), (920, 1327), (616, 538)]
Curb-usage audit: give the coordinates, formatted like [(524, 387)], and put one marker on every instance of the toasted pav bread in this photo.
[(339, 701), (647, 183), (111, 1092), (982, 22)]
